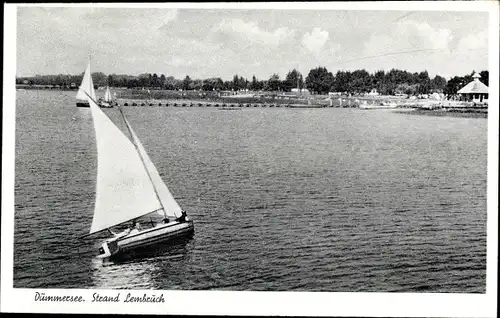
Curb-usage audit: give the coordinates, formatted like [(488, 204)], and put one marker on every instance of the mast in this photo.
[(142, 159)]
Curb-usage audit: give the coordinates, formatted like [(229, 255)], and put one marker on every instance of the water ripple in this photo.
[(314, 200)]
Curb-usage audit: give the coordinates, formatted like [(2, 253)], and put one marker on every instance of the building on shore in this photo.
[(301, 91), (475, 91)]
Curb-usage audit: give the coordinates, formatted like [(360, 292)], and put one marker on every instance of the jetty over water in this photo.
[(215, 104)]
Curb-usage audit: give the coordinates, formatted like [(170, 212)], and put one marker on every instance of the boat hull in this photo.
[(365, 106), (82, 104), (86, 104), (105, 105), (146, 238)]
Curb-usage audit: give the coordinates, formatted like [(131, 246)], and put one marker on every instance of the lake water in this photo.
[(339, 200)]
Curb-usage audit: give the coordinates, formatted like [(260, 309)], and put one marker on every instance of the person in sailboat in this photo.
[(133, 229), (121, 234), (183, 217), (136, 227)]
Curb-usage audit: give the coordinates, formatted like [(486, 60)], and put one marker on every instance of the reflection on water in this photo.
[(134, 275), (135, 270)]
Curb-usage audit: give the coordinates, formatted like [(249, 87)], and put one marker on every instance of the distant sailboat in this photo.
[(107, 100), (86, 86), (129, 187)]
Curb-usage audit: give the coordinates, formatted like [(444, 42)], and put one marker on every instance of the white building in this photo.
[(475, 91), (334, 93), (302, 90)]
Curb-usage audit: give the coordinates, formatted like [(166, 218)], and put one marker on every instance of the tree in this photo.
[(213, 84), (242, 83), (162, 81), (171, 83), (485, 77), (132, 83), (254, 85), (438, 83), (145, 80), (341, 82), (227, 86), (207, 85), (453, 85), (236, 82), (197, 84), (187, 83), (319, 80), (155, 82), (292, 80), (424, 83), (468, 78), (110, 80), (98, 78), (273, 84), (361, 81), (405, 88), (378, 79)]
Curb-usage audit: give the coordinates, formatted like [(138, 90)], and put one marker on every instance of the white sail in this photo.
[(124, 190), (86, 86), (107, 95), (170, 206)]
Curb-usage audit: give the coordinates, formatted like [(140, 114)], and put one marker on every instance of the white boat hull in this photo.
[(134, 240), (377, 106), (105, 104), (86, 104)]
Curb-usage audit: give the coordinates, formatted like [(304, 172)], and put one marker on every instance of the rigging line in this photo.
[(388, 25), (403, 16), (400, 52), (387, 54), (89, 234), (142, 159)]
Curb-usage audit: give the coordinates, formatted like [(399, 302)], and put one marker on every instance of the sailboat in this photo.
[(129, 187), (87, 85), (106, 102)]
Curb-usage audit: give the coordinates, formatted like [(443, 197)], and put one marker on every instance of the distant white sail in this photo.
[(172, 208), (86, 86), (107, 95), (124, 189)]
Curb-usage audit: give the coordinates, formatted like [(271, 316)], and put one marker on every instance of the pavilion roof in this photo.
[(474, 87)]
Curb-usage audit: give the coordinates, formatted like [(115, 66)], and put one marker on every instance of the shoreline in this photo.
[(466, 113), (223, 102)]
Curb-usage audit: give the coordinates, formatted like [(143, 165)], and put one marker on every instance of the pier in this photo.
[(214, 104)]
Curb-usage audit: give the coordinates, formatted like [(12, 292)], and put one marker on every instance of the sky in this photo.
[(205, 43)]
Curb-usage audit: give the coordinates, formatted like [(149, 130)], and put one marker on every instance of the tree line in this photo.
[(318, 81)]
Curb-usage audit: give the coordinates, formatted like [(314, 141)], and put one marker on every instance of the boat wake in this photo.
[(175, 248)]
